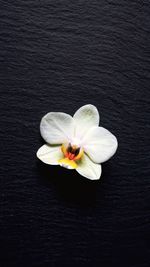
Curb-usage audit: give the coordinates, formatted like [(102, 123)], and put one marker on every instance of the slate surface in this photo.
[(57, 56)]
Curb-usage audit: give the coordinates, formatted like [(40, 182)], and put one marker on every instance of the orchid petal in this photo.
[(100, 144), (50, 154), (57, 127), (85, 117), (88, 168)]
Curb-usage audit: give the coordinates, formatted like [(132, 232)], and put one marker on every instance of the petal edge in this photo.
[(100, 144), (57, 127), (88, 168), (85, 118), (50, 154)]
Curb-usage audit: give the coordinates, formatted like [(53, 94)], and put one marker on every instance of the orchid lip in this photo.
[(72, 152), (67, 163)]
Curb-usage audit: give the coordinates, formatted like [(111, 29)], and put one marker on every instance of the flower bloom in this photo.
[(76, 142)]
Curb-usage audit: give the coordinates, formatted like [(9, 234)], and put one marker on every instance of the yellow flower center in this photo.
[(72, 153)]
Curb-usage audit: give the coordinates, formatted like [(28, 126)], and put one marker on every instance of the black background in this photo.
[(57, 56)]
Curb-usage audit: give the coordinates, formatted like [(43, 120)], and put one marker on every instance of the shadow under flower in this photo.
[(71, 187)]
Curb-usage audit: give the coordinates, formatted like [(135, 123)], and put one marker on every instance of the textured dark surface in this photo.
[(57, 56)]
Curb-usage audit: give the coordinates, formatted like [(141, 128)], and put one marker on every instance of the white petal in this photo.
[(88, 168), (85, 118), (100, 144), (57, 127), (50, 154)]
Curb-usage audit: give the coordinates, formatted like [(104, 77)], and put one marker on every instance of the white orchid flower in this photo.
[(76, 142)]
